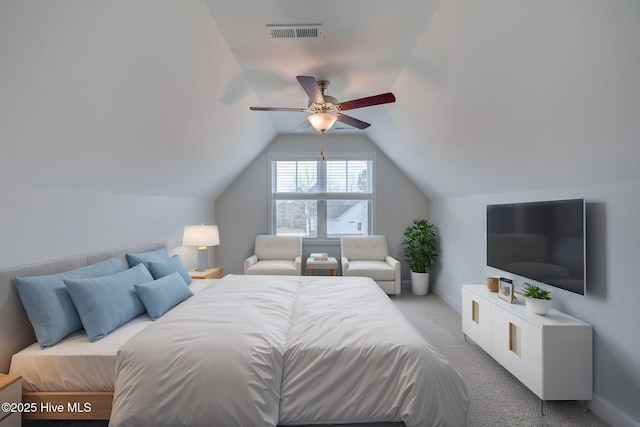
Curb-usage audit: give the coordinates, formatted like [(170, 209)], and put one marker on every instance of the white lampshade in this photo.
[(201, 235), (322, 121)]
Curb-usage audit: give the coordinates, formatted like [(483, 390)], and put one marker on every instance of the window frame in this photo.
[(322, 196)]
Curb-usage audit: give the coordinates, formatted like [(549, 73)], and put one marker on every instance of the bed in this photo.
[(256, 350)]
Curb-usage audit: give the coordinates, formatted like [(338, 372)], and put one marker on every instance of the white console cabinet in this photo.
[(552, 355)]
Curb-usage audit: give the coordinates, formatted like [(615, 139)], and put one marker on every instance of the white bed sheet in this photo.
[(350, 350), (77, 364), (214, 361), (268, 350)]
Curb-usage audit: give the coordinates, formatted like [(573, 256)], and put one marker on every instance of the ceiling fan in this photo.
[(326, 110)]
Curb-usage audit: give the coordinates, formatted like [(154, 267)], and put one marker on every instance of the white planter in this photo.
[(419, 283), (538, 306)]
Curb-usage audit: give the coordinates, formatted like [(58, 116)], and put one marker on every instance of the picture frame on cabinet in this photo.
[(506, 290)]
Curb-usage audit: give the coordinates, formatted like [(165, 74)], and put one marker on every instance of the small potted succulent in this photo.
[(537, 299)]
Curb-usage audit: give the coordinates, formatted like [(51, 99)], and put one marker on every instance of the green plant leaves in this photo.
[(420, 246), (533, 291)]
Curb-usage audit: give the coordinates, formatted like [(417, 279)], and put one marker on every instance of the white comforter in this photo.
[(268, 350)]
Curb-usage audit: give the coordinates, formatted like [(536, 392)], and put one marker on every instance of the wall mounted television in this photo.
[(541, 241)]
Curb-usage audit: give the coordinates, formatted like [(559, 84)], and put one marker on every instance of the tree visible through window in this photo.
[(321, 199)]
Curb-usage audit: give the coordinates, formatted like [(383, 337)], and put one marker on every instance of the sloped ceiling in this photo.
[(493, 96), (363, 47), (140, 97), (152, 97), (503, 96)]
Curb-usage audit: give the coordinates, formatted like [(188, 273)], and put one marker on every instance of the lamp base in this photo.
[(203, 258)]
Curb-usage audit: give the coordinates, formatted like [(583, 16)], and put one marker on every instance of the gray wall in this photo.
[(88, 114), (38, 223), (611, 301), (148, 108), (242, 210)]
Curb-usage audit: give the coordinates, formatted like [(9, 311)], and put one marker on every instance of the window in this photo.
[(321, 199)]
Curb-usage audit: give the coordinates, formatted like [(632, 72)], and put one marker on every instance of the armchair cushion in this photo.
[(370, 248), (368, 256), (278, 247), (269, 266), (280, 255), (377, 270)]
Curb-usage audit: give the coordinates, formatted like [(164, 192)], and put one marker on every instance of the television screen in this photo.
[(541, 241)]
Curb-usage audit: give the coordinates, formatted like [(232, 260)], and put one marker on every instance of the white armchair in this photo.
[(276, 255), (368, 256)]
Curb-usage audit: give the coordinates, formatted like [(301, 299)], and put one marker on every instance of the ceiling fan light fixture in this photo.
[(325, 109), (322, 122)]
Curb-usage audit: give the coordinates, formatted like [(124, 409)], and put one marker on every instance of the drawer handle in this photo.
[(515, 345), (475, 312)]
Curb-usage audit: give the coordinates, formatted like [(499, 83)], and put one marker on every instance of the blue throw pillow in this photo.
[(104, 303), (48, 304), (145, 257), (160, 269), (163, 294)]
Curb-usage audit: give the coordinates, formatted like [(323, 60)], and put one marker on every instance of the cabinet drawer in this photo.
[(476, 320), (515, 334), (516, 345), (11, 393)]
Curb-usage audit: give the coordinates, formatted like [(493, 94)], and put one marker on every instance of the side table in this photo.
[(209, 273), (10, 392), (330, 264)]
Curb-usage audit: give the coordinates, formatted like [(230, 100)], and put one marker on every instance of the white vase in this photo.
[(538, 306), (419, 283)]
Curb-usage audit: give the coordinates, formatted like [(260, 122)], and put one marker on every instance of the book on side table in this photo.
[(318, 256)]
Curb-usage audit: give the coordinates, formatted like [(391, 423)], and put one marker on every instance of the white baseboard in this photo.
[(610, 414), (456, 305)]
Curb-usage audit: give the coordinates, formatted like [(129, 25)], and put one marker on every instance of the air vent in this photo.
[(295, 31)]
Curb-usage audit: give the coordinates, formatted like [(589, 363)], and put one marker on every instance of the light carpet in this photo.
[(497, 397)]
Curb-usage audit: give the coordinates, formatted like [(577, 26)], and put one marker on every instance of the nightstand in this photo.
[(11, 392), (209, 273)]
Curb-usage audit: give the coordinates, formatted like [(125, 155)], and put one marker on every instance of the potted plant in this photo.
[(537, 299), (420, 251)]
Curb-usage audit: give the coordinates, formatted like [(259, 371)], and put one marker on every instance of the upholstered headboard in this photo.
[(16, 332)]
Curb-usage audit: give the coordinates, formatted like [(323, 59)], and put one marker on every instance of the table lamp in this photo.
[(201, 236)]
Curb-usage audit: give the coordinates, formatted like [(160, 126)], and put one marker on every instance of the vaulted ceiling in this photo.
[(361, 50), (152, 97)]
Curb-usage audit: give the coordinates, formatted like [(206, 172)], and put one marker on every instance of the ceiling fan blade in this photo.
[(383, 98), (301, 110), (303, 126), (352, 121), (310, 86)]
